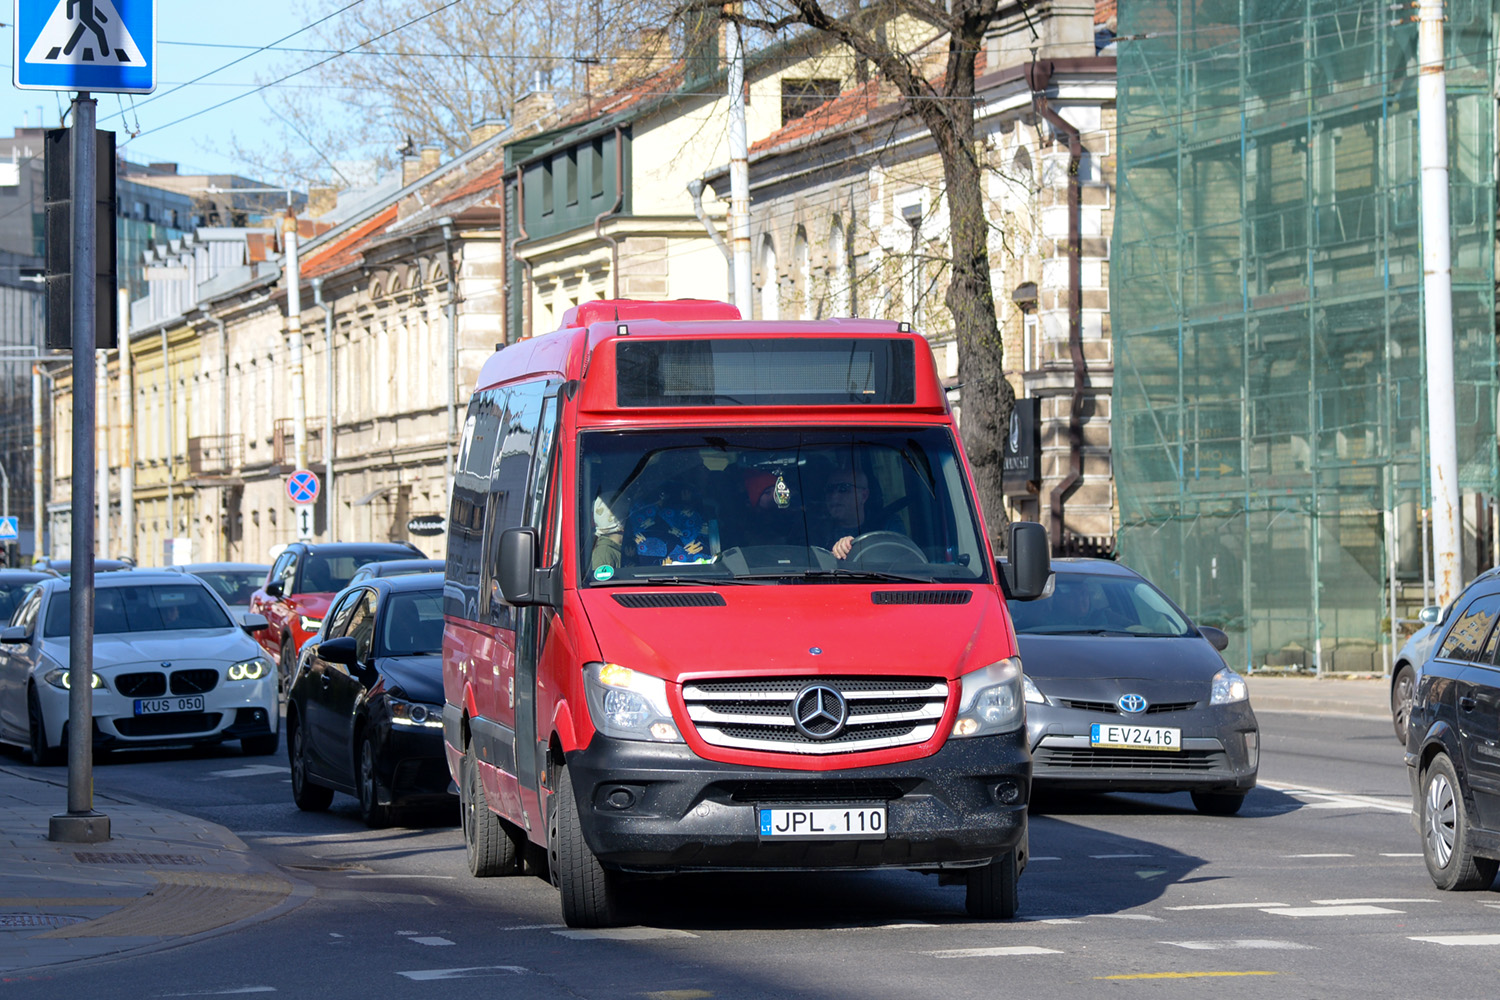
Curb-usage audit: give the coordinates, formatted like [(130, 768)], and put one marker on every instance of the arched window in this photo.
[(840, 300), (770, 292), (802, 275)]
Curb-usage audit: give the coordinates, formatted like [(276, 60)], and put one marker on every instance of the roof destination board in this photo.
[(108, 46)]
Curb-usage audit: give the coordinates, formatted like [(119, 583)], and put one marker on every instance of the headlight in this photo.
[(250, 670), (1228, 687), (310, 624), (628, 704), (63, 679), (991, 701), (1033, 693), (414, 713)]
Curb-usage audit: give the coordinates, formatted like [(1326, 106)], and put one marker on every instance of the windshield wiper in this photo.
[(844, 575), (687, 581)]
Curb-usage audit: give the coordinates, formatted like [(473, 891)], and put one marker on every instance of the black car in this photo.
[(364, 712), (1451, 739), (14, 583), (1125, 694)]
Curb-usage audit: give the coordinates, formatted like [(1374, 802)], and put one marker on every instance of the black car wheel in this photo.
[(1402, 689), (1218, 803), (308, 794), (374, 814), (590, 892), (993, 892), (490, 846), (1446, 833), (40, 753)]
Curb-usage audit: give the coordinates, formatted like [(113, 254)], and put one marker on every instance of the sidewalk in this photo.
[(163, 879), (1360, 695)]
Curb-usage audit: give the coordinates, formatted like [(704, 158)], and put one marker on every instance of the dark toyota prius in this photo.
[(1124, 694)]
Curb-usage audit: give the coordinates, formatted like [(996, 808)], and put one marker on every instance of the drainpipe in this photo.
[(226, 532), (127, 433), (450, 384), (330, 509), (614, 244), (695, 188), (526, 264), (39, 512), (739, 173), (1040, 76)]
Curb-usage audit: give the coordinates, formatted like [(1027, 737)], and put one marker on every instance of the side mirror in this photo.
[(273, 589), (344, 649), (1216, 637), (521, 582), (1030, 562), (1431, 616), (14, 635), (252, 622)]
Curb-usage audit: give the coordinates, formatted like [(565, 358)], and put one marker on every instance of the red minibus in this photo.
[(718, 597)]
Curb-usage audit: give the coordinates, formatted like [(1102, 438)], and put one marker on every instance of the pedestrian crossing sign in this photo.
[(9, 529), (107, 46)]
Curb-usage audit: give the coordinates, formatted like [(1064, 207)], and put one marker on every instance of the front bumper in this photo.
[(231, 711), (412, 768), (1220, 751), (660, 808)]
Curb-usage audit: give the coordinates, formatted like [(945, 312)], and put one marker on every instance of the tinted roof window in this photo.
[(156, 608)]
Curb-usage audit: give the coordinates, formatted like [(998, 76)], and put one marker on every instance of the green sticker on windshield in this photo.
[(604, 573)]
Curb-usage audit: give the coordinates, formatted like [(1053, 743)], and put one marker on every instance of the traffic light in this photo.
[(59, 221)]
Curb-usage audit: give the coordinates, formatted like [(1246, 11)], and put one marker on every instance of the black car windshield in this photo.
[(329, 573), (167, 607), (234, 586), (1095, 604), (777, 505), (412, 623)]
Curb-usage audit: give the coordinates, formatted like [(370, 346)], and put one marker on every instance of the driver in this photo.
[(844, 497)]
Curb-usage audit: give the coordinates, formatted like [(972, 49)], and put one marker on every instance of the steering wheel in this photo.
[(884, 550)]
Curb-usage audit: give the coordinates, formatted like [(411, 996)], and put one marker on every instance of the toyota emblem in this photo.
[(820, 712), (1133, 704)]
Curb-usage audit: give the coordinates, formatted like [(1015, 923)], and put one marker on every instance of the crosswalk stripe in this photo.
[(1360, 902), (1226, 906), (1242, 944), (1332, 911), (1000, 952), (1461, 939)]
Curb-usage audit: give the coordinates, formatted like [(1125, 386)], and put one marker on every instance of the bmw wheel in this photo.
[(1446, 832), (41, 754)]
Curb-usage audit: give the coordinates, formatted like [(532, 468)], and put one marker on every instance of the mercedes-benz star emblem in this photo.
[(1133, 703), (820, 712)]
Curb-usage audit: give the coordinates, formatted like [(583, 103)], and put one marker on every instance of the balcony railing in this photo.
[(216, 455), (283, 442)]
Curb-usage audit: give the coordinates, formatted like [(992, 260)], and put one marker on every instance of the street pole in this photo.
[(171, 439), (127, 433), (739, 175), (329, 503), (101, 445), (81, 825), (294, 334), (1437, 287), (450, 382), (38, 511)]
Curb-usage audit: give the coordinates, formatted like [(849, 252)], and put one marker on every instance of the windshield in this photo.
[(234, 586), (412, 623), (1095, 604), (776, 505), (157, 608)]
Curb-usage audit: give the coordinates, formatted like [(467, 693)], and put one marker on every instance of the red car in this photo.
[(301, 585)]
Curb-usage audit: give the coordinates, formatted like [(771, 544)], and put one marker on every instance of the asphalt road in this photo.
[(1316, 889)]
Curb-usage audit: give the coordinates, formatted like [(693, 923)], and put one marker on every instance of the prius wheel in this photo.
[(41, 754), (491, 846), (1401, 698), (308, 794), (1218, 803), (371, 811), (993, 892), (590, 892), (1446, 832)]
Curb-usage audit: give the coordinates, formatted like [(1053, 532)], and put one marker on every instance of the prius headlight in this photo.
[(1033, 693), (992, 700), (628, 704), (250, 670), (63, 679), (1228, 688)]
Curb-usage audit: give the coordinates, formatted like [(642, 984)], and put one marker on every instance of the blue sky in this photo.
[(204, 143)]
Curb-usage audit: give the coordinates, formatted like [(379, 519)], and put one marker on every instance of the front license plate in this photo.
[(161, 706), (843, 822), (1135, 737)]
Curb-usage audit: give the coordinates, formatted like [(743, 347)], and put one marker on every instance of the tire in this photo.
[(375, 815), (308, 794), (590, 892), (288, 662), (39, 753), (1403, 688), (489, 846), (260, 746), (993, 892), (1446, 832), (1218, 803)]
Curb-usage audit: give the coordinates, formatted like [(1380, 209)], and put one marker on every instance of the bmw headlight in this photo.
[(628, 704), (1228, 687), (250, 670), (63, 679), (414, 714), (992, 700), (1033, 693), (310, 624)]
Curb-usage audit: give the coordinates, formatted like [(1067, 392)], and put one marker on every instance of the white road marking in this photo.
[(1128, 916), (431, 942), (530, 927), (1333, 911), (248, 771), (407, 933), (1358, 902), (1226, 906), (224, 993), (1051, 920), (1043, 858), (472, 972), (1417, 855), (625, 934), (1339, 799), (1014, 949), (881, 927), (1246, 944), (1461, 939), (1105, 857), (1317, 855), (382, 875)]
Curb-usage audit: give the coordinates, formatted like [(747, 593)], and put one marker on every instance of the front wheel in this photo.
[(1218, 803), (371, 811), (590, 892), (308, 794), (1446, 832), (1402, 690), (993, 892), (41, 754)]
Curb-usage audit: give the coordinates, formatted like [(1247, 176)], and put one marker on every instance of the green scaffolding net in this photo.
[(1266, 288)]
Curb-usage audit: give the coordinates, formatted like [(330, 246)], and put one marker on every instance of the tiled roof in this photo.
[(345, 250), (1104, 10), (490, 178), (850, 106)]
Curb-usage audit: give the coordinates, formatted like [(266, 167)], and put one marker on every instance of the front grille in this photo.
[(818, 790), (143, 685), (1110, 708), (921, 596), (171, 724), (689, 600), (757, 714), (1064, 759), (194, 681)]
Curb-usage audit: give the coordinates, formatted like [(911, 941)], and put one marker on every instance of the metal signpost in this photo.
[(107, 46), (302, 490)]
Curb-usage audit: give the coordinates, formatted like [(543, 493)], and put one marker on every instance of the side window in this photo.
[(278, 570), (471, 483), (509, 490), (289, 572), (538, 499), (1466, 638), (338, 622), (362, 624), (25, 615)]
